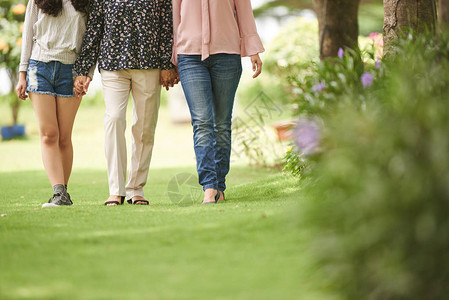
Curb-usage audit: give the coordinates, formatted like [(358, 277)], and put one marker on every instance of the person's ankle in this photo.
[(59, 189), (209, 195)]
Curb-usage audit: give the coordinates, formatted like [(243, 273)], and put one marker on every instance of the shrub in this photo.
[(378, 194), (12, 15), (295, 46)]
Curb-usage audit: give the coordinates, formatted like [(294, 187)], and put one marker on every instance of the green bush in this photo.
[(321, 86), (378, 192), (12, 16), (295, 46)]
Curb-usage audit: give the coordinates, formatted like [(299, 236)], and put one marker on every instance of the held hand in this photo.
[(169, 78), (257, 65), (81, 85), (22, 86)]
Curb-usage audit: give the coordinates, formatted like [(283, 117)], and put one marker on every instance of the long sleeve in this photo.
[(250, 40), (31, 17), (166, 42), (176, 22), (87, 59)]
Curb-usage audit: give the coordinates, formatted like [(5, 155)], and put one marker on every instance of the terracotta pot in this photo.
[(284, 130)]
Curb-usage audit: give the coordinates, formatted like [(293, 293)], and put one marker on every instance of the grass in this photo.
[(246, 248), (173, 142), (242, 249)]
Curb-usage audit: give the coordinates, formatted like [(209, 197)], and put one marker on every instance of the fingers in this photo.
[(86, 84), (177, 79), (257, 67), (81, 85), (169, 78), (21, 91), (18, 92)]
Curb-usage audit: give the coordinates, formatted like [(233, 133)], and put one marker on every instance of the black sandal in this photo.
[(138, 202), (122, 200), (224, 199), (216, 199)]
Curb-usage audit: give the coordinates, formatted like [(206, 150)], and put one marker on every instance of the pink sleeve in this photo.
[(250, 40), (176, 22)]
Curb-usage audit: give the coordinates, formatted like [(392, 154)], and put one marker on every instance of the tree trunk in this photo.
[(443, 12), (400, 15), (338, 25)]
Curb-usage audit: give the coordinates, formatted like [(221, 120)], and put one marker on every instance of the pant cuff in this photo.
[(130, 194), (209, 186)]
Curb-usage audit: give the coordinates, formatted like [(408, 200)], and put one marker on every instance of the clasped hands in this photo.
[(168, 79)]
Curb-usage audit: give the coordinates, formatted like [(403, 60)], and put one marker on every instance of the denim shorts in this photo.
[(50, 78)]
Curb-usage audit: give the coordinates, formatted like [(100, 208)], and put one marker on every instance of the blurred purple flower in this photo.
[(341, 52), (307, 136), (377, 64), (367, 79), (318, 87)]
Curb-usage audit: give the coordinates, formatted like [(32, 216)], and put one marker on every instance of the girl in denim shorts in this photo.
[(52, 36)]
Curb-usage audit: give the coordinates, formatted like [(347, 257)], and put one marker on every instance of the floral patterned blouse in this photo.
[(127, 34)]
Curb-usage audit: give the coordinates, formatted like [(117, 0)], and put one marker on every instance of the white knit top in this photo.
[(46, 38)]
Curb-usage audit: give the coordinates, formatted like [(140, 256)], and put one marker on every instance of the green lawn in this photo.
[(247, 248)]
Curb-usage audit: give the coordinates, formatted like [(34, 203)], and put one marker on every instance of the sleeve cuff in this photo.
[(92, 71), (174, 56), (251, 45), (23, 67)]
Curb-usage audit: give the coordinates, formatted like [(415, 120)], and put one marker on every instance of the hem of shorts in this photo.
[(51, 94)]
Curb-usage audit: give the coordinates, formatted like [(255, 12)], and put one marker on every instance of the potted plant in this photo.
[(284, 130), (11, 24)]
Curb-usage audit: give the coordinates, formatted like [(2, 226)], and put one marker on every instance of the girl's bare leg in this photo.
[(45, 110), (66, 109)]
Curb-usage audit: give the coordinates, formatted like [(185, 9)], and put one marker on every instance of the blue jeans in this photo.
[(210, 87)]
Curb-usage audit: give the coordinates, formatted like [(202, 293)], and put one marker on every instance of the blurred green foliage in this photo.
[(12, 15), (378, 193), (294, 47), (293, 54), (296, 44), (370, 17), (294, 162), (290, 66), (320, 87)]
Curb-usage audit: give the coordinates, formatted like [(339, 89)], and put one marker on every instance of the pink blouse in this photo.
[(214, 26)]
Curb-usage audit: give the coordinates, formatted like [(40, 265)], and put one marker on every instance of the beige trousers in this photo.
[(146, 89)]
